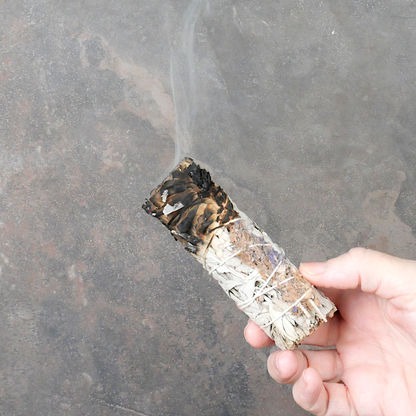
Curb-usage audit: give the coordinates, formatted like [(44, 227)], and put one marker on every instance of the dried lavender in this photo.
[(251, 269)]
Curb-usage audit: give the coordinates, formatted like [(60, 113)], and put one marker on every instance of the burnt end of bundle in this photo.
[(190, 205), (204, 226), (147, 206), (187, 220), (171, 224), (186, 198), (177, 174), (191, 248), (220, 197), (231, 213), (173, 187), (208, 212), (200, 177), (227, 217), (192, 243)]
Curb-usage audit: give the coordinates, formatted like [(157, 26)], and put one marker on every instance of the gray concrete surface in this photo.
[(305, 112)]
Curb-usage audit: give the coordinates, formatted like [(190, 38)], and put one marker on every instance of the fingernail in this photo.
[(276, 362), (302, 383), (244, 332), (314, 268), (305, 378)]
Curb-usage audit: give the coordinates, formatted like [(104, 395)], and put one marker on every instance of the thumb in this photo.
[(374, 272)]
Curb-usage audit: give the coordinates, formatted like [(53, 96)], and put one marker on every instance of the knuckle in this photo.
[(358, 253), (360, 256)]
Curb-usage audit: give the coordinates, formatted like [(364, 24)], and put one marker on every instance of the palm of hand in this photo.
[(376, 354)]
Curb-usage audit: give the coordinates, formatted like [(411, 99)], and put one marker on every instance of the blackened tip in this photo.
[(200, 177), (191, 248), (147, 206)]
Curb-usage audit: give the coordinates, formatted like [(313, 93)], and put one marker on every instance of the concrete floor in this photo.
[(305, 113)]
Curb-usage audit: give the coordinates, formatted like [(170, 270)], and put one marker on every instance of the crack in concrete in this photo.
[(119, 407)]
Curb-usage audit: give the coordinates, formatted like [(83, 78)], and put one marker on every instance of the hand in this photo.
[(372, 371)]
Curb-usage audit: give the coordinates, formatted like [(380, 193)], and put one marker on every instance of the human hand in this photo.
[(372, 371)]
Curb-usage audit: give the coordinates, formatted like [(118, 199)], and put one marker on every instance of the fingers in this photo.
[(256, 337), (315, 374), (321, 399), (286, 367), (374, 272), (325, 336)]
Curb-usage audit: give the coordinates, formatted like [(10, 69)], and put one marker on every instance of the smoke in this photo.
[(183, 80)]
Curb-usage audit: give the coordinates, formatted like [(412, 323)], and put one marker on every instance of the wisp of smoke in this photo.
[(183, 81)]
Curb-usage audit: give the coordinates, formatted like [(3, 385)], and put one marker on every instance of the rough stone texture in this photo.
[(304, 112)]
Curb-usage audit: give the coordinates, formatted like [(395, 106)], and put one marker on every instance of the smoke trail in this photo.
[(183, 80)]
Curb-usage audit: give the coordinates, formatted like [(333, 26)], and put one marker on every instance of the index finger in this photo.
[(373, 272)]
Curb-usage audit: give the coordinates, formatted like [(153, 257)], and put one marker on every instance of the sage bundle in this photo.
[(251, 269)]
